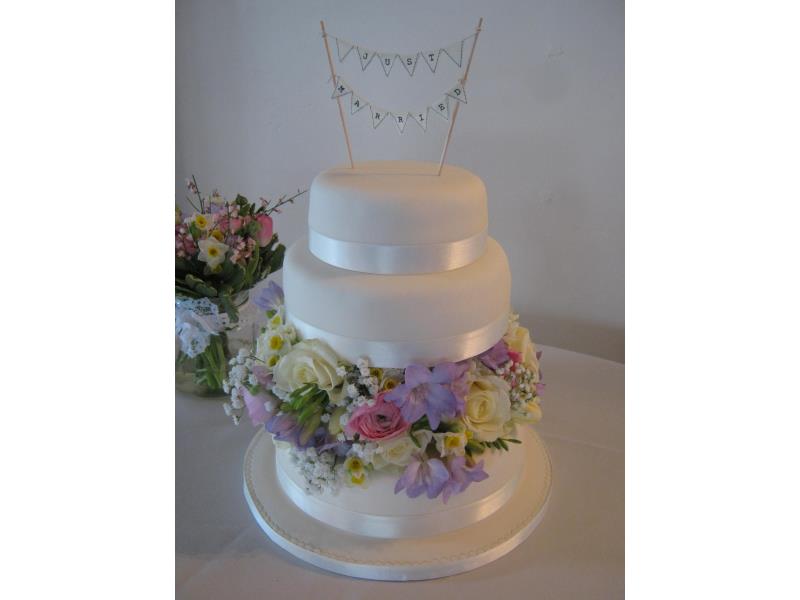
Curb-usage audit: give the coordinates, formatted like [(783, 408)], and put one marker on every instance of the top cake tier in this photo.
[(397, 217)]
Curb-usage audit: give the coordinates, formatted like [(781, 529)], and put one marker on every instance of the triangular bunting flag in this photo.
[(365, 56), (421, 119), (356, 104), (441, 108), (432, 59), (400, 121), (458, 93), (387, 62), (343, 47), (409, 62), (341, 89), (455, 52), (378, 116)]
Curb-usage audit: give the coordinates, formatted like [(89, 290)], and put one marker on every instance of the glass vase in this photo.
[(203, 374)]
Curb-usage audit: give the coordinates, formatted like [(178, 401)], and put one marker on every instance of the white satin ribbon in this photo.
[(389, 259), (383, 526), (400, 354)]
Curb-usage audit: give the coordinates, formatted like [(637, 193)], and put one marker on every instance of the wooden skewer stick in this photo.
[(463, 82), (338, 98)]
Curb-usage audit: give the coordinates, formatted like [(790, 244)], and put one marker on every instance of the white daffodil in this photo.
[(212, 252)]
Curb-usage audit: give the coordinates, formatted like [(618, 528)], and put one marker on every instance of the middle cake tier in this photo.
[(398, 320)]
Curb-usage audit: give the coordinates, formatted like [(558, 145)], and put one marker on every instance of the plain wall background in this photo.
[(544, 127)]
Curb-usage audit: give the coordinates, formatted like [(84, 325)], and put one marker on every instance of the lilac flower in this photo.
[(269, 297), (460, 476), (428, 393), (262, 375), (285, 428), (423, 475), (260, 407), (496, 356)]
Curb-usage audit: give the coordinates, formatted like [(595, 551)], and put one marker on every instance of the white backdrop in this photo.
[(544, 127)]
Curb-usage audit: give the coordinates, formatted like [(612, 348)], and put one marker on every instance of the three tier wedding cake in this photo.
[(392, 375)]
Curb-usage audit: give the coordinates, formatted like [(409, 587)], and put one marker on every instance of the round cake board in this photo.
[(396, 559)]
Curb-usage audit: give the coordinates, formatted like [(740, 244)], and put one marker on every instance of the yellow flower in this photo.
[(276, 342), (217, 235), (358, 479), (201, 222), (212, 252), (353, 463), (451, 443), (276, 320), (273, 360)]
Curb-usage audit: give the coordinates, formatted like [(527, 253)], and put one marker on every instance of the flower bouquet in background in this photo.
[(344, 422), (222, 250)]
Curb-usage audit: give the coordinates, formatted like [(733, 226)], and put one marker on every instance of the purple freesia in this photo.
[(426, 392), (263, 375), (269, 297), (285, 428), (260, 407), (460, 476), (496, 356), (423, 475)]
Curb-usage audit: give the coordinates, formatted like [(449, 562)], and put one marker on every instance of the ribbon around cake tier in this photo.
[(393, 259), (400, 354), (437, 522)]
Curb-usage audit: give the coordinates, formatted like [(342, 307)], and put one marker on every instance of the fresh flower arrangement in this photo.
[(343, 421), (222, 250)]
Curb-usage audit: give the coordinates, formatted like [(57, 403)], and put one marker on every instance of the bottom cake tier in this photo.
[(379, 512)]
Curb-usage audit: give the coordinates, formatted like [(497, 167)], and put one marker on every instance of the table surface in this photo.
[(577, 551)]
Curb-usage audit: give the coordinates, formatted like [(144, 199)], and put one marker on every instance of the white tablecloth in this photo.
[(577, 551)]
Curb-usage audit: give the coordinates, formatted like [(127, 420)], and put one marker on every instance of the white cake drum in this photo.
[(395, 217), (400, 559), (398, 320)]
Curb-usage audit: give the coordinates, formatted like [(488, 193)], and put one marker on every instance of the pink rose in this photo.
[(381, 421), (265, 233)]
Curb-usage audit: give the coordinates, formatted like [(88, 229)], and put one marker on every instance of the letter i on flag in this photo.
[(421, 118)]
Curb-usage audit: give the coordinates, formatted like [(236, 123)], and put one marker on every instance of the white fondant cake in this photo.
[(376, 511), (400, 338), (398, 320)]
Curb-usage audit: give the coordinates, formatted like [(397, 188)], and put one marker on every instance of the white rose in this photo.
[(487, 408), (310, 361), (399, 450), (518, 339)]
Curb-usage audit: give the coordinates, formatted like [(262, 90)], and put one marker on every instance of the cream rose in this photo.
[(399, 451), (310, 361), (518, 339), (487, 408)]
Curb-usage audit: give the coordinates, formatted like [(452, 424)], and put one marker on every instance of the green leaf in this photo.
[(228, 307)]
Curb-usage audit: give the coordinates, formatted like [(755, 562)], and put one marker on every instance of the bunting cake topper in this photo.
[(446, 106)]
